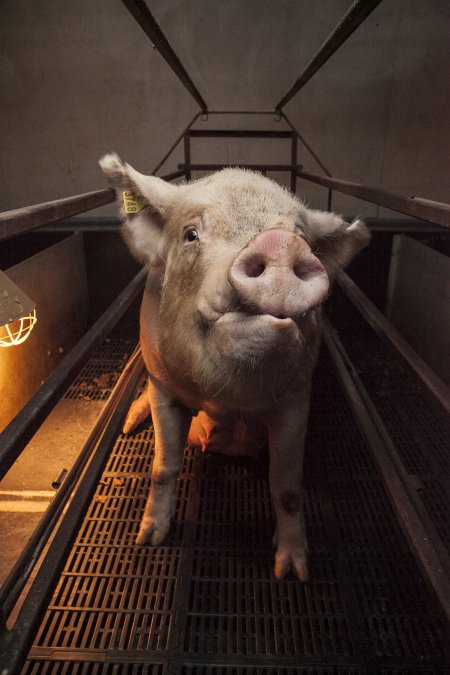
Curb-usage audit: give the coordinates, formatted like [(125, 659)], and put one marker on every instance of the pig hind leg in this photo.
[(286, 443), (171, 423), (138, 412)]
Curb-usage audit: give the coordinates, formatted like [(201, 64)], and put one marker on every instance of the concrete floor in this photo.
[(26, 490)]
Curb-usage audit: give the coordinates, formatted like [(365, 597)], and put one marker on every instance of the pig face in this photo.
[(242, 268)]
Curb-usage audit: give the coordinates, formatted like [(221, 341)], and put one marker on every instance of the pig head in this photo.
[(230, 325)]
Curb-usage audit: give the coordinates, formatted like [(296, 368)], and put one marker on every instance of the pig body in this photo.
[(230, 328)]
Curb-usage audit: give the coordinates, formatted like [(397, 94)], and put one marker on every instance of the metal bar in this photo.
[(417, 535), (27, 218), (14, 644), (23, 426), (237, 133), (139, 10), (354, 17), (187, 154), (18, 576), (387, 331), (172, 147), (307, 146), (434, 212), (293, 162), (241, 112), (254, 167), (18, 221)]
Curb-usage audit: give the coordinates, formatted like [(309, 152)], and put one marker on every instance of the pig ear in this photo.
[(145, 202), (337, 242)]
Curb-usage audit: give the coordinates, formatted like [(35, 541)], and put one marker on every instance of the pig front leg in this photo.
[(138, 412), (286, 446), (171, 423)]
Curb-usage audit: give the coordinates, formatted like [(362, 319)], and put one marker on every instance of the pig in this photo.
[(238, 269)]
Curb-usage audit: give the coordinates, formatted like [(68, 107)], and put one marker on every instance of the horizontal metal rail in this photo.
[(152, 29), (237, 133), (387, 331), (254, 167), (243, 112), (18, 576), (23, 426), (15, 643), (357, 13), (426, 549), (425, 209), (18, 221)]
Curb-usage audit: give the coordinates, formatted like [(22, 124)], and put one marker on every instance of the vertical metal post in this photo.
[(330, 199), (187, 154), (294, 163)]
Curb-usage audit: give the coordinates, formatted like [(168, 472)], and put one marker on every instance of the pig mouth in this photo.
[(243, 317)]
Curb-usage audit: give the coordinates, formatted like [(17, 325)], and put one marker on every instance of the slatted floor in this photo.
[(207, 603)]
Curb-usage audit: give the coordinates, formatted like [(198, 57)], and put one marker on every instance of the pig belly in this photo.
[(227, 436)]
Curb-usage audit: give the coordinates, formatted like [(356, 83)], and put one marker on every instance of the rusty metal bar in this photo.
[(426, 548), (307, 146), (354, 17), (24, 425), (18, 221), (387, 331), (139, 10), (237, 133), (253, 167), (433, 212), (172, 147)]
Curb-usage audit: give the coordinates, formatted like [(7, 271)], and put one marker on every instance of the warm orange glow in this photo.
[(18, 331)]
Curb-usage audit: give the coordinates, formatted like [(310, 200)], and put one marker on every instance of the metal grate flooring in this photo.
[(207, 603), (98, 377), (421, 433)]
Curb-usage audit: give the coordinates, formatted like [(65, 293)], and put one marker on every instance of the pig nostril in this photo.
[(254, 267), (304, 272)]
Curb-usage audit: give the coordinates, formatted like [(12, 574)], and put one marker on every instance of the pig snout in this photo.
[(277, 274)]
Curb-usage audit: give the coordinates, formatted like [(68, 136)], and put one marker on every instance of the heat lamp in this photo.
[(17, 313)]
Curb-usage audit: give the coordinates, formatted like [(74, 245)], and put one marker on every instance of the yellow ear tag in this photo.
[(132, 203)]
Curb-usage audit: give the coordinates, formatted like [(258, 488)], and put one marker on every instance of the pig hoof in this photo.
[(150, 534), (138, 413), (287, 560)]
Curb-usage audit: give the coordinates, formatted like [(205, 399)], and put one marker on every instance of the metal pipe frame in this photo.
[(387, 331), (19, 221), (15, 643), (425, 209), (139, 10), (354, 17), (172, 147), (237, 133), (304, 142), (27, 421), (426, 548)]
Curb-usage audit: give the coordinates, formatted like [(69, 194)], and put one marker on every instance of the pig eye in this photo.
[(191, 235)]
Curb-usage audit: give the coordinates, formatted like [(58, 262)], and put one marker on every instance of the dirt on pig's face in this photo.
[(227, 338)]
